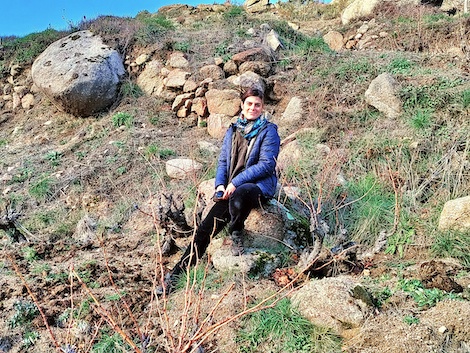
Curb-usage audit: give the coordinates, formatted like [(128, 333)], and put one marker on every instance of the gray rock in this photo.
[(79, 73), (212, 71), (226, 101), (456, 215), (357, 9), (217, 124), (182, 168), (383, 95), (150, 80), (250, 79), (332, 302)]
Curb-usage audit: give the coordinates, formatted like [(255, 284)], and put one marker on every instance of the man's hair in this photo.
[(252, 92)]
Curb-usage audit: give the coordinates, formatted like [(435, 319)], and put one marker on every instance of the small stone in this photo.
[(442, 329), (141, 59)]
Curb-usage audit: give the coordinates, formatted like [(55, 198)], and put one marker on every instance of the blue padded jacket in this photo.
[(260, 165)]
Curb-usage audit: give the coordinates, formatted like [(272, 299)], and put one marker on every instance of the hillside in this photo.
[(80, 232)]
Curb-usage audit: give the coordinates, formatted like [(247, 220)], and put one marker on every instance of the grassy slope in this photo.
[(399, 172)]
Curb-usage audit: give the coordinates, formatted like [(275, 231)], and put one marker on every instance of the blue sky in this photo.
[(20, 18)]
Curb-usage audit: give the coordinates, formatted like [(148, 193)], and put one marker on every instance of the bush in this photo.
[(153, 28), (25, 49), (234, 12)]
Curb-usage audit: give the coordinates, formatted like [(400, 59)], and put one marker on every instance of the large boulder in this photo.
[(79, 73), (176, 79), (178, 60), (212, 71), (293, 115), (217, 125)]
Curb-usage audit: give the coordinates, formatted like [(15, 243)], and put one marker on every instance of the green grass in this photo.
[(151, 151), (182, 46), (131, 89), (25, 49), (23, 174), (25, 312), (422, 296), (42, 188), (421, 120), (155, 151), (122, 119), (54, 158), (110, 344), (153, 28), (354, 70), (166, 153), (199, 277), (29, 253), (429, 97), (121, 170), (311, 45), (411, 320), (29, 338), (465, 97), (221, 49), (41, 268), (282, 329), (400, 66), (397, 243), (233, 13), (437, 20), (372, 208), (453, 244)]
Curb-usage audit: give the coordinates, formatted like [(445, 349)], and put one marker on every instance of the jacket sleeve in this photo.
[(262, 161), (221, 175)]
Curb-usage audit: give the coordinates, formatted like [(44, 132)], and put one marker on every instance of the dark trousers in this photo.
[(233, 212)]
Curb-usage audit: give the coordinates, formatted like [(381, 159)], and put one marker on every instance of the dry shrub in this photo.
[(117, 32), (416, 28)]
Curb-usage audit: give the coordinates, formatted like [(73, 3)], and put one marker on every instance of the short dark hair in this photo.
[(252, 92)]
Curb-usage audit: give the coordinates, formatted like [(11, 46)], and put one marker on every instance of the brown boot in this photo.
[(237, 242)]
